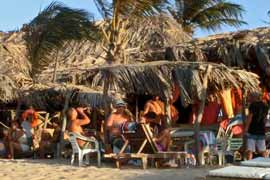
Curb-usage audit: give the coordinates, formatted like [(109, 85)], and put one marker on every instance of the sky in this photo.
[(15, 13)]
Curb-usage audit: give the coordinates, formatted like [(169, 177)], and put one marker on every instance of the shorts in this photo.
[(160, 147), (256, 142), (24, 147)]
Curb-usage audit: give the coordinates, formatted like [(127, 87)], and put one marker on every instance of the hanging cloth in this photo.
[(237, 100), (210, 114), (226, 102)]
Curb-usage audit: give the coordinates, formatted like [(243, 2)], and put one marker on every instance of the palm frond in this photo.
[(52, 29), (104, 8), (207, 14)]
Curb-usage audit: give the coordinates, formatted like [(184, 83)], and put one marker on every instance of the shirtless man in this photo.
[(115, 123), (76, 124), (154, 113)]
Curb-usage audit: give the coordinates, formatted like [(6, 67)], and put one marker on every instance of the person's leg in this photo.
[(261, 146), (251, 148), (13, 146), (164, 139)]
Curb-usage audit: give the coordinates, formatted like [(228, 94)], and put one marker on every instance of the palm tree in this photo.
[(52, 30), (117, 14), (206, 14), (57, 24)]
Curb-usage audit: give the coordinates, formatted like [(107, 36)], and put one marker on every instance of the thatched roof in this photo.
[(13, 58), (8, 89), (52, 96), (158, 78), (154, 32), (249, 49)]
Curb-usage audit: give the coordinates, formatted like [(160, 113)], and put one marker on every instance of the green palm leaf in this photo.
[(52, 29), (207, 14)]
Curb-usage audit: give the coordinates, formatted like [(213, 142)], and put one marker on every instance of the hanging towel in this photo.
[(226, 102)]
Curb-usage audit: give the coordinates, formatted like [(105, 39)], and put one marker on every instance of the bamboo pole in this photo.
[(200, 115)]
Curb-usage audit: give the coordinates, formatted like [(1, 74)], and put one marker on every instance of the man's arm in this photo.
[(85, 120), (147, 108)]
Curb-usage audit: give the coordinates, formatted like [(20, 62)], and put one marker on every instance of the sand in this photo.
[(61, 170)]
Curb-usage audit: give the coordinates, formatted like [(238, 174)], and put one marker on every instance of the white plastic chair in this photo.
[(81, 152)]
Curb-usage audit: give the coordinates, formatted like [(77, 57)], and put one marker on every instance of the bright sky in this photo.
[(14, 13)]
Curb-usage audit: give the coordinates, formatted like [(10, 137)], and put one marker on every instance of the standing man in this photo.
[(255, 126)]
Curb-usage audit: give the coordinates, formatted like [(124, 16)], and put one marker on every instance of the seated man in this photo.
[(28, 130), (117, 122), (154, 113), (76, 123), (32, 116), (17, 140)]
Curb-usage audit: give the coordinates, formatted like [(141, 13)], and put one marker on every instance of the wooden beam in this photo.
[(200, 115)]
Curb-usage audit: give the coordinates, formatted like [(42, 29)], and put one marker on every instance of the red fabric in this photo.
[(238, 129), (224, 124), (237, 99), (266, 97), (210, 114), (34, 114), (174, 113), (175, 93)]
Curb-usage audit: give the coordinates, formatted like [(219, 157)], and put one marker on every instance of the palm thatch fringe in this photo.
[(158, 78), (13, 57), (8, 89), (244, 49), (52, 96)]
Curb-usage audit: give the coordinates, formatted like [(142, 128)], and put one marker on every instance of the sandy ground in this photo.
[(61, 170)]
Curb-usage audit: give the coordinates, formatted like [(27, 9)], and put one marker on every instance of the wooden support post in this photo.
[(137, 109), (64, 124), (244, 114), (200, 115), (94, 120), (18, 108), (106, 88), (168, 113)]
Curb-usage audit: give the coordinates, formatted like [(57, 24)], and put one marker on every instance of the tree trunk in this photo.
[(200, 115)]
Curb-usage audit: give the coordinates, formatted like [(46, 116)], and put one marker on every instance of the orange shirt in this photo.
[(34, 114)]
